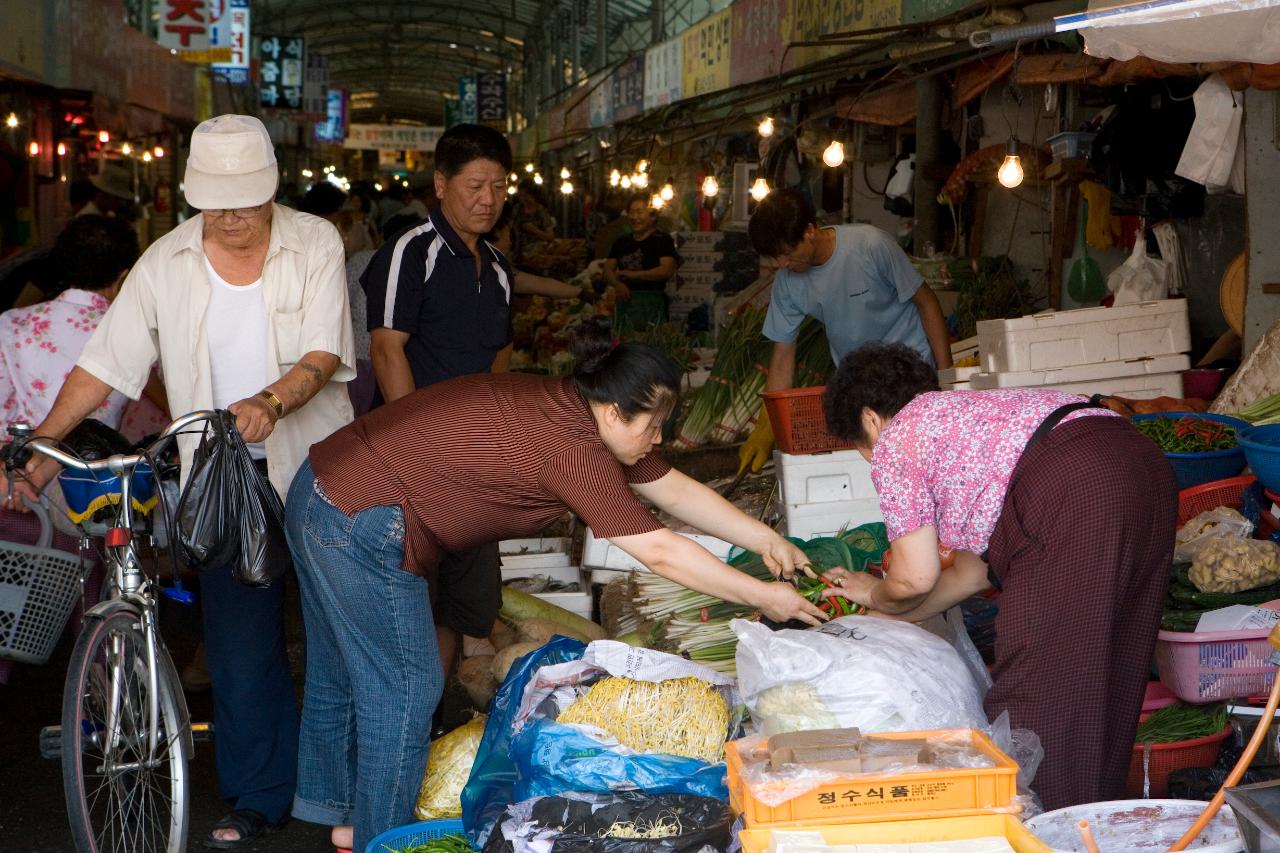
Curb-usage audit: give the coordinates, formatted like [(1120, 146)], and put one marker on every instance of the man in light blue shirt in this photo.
[(854, 279)]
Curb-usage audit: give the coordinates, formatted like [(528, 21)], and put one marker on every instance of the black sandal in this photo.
[(248, 823)]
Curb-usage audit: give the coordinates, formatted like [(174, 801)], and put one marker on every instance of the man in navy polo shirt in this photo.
[(439, 307)]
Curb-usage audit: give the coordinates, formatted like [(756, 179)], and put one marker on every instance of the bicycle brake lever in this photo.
[(178, 594)]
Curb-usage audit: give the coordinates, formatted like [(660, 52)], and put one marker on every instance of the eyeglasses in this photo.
[(238, 212)]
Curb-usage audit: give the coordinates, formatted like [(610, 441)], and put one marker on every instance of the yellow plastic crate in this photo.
[(888, 797), (917, 831)]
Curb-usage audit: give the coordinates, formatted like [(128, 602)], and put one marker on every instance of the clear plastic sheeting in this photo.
[(1132, 826), (1242, 31)]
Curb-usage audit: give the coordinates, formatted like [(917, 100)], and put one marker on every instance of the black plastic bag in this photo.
[(229, 513), (576, 824)]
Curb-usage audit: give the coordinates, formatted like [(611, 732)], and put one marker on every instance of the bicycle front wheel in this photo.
[(126, 791)]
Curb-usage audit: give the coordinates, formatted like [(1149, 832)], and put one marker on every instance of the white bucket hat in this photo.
[(232, 164)]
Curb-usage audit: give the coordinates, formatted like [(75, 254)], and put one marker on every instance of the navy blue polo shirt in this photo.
[(423, 282)]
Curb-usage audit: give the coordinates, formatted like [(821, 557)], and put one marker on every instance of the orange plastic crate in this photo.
[(888, 797), (799, 424)]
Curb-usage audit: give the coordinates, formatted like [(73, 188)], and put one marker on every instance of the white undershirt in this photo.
[(236, 329)]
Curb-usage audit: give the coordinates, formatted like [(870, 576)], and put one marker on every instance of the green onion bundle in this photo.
[(1263, 412), (741, 351), (1177, 723)]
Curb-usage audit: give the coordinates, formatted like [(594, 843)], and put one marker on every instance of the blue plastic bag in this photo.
[(552, 758), (490, 787)]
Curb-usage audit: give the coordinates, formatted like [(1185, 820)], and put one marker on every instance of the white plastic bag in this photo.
[(1141, 278), (879, 675), (1214, 140), (1210, 524)]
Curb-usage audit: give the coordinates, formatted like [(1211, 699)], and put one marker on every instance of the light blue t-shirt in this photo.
[(862, 293)]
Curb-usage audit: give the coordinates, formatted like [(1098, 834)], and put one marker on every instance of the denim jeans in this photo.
[(373, 667)]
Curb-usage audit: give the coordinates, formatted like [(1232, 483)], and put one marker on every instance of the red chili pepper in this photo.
[(704, 615)]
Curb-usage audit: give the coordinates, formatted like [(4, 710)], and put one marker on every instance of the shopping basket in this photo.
[(406, 837), (38, 589), (799, 423)]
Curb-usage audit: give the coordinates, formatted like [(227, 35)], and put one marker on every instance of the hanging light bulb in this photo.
[(126, 149), (625, 180), (709, 186), (34, 148), (640, 179), (642, 166), (104, 137), (511, 190), (615, 178), (158, 151), (537, 178), (564, 173), (528, 167), (146, 156), (513, 177), (12, 121), (834, 155), (765, 128), (307, 173), (62, 149), (760, 189), (1010, 173), (567, 188), (667, 192), (656, 202)]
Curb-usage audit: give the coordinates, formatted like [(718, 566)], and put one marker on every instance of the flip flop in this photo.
[(247, 822)]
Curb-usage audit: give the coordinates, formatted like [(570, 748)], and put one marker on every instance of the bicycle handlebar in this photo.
[(16, 453)]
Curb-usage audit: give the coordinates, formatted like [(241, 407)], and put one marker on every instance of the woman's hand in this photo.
[(783, 558), (854, 587), (781, 603)]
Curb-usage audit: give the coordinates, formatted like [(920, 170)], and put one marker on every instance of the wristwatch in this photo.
[(274, 401)]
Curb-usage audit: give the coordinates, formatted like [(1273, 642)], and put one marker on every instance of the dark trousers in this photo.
[(255, 714)]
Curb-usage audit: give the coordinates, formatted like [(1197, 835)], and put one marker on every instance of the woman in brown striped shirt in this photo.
[(456, 464)]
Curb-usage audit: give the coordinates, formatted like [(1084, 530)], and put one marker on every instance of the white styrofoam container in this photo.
[(814, 478), (551, 559), (805, 521), (1144, 379), (574, 602), (964, 348), (1084, 336), (958, 386), (534, 545), (956, 375), (603, 554), (698, 259), (562, 574), (700, 240)]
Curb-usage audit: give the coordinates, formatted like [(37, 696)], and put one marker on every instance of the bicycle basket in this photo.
[(38, 589), (86, 494)]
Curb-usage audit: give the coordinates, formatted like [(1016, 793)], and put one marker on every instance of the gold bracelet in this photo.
[(275, 402)]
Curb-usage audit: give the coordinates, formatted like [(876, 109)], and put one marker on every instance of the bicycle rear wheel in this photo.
[(123, 796)]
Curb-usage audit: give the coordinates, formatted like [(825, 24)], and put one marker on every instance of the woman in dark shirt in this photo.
[(461, 462)]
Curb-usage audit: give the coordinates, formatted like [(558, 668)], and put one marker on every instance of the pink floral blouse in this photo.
[(946, 459), (38, 347)]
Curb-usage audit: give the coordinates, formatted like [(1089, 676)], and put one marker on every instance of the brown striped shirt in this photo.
[(480, 458)]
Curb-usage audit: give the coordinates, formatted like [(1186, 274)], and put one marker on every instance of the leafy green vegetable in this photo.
[(1188, 435), (1182, 722), (444, 844)]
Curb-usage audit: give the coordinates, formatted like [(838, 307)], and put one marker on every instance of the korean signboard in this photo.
[(392, 137), (663, 73), (281, 71), (758, 44), (628, 88), (467, 100), (235, 23), (491, 98), (812, 19), (600, 101), (187, 27), (334, 127), (707, 54), (315, 88)]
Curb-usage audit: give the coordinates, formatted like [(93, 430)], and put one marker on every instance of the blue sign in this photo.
[(468, 100)]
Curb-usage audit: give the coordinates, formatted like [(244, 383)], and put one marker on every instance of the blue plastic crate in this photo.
[(414, 834), (1262, 451), (1194, 469)]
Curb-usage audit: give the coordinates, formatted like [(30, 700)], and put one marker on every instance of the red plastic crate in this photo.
[(1168, 757), (799, 424)]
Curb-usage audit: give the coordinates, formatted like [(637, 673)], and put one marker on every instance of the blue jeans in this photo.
[(373, 667)]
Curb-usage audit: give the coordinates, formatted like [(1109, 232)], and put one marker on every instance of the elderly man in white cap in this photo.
[(245, 305)]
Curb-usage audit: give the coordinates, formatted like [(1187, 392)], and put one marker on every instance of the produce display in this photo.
[(448, 767), (1182, 722), (679, 716), (1263, 412), (1188, 435), (1227, 564), (444, 844)]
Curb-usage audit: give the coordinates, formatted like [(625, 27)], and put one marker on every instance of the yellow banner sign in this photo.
[(813, 19), (708, 51)]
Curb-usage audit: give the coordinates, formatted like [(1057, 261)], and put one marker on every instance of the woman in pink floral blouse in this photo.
[(1063, 506)]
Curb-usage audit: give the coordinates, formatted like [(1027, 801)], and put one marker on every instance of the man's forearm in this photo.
[(655, 274), (530, 283), (502, 361), (391, 369), (305, 379), (935, 326), (782, 367), (81, 394)]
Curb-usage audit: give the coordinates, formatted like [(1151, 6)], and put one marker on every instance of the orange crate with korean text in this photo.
[(889, 796)]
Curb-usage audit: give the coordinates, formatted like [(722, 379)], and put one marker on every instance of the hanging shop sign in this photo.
[(281, 71), (708, 51), (451, 111), (468, 100), (555, 137), (921, 11), (812, 19), (235, 24), (758, 42), (333, 129), (600, 100), (663, 73), (491, 97), (577, 115), (392, 137), (315, 87), (186, 26), (627, 88)]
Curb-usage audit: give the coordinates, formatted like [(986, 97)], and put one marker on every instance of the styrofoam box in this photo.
[(574, 602), (699, 240), (957, 386), (815, 478), (698, 260), (548, 560), (695, 280), (954, 375), (603, 554), (964, 348), (1084, 336), (805, 521), (534, 545), (561, 574), (1144, 379)]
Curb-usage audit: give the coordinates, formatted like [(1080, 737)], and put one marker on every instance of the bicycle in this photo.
[(126, 734)]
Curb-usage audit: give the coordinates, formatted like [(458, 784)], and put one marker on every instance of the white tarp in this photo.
[(1193, 31)]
